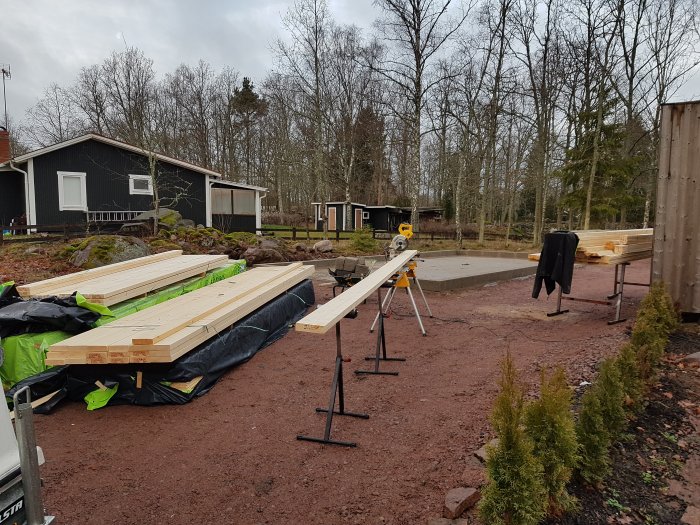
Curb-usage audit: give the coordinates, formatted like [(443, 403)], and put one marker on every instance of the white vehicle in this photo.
[(20, 485)]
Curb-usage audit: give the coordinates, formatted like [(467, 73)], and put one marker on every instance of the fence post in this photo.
[(2, 234), (294, 233), (337, 235), (308, 234)]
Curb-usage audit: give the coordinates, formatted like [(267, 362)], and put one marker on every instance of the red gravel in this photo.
[(232, 457)]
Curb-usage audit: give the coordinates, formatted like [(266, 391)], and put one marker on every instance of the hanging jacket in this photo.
[(556, 264)]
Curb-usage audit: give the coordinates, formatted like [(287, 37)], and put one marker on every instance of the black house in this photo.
[(96, 179), (380, 218)]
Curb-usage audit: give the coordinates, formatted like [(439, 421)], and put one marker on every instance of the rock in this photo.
[(262, 255), (481, 453), (440, 521), (691, 516), (35, 250), (165, 215), (270, 244), (323, 246), (692, 359), (184, 223), (474, 473), (458, 500), (102, 250)]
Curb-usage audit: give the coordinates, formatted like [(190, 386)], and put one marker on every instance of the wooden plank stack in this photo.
[(118, 282), (164, 332), (611, 246)]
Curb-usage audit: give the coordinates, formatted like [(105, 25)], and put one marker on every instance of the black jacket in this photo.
[(556, 262)]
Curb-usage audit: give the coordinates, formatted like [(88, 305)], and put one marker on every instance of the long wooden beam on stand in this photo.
[(326, 316)]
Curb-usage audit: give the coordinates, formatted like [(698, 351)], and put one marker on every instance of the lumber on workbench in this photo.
[(124, 284), (30, 290), (210, 310), (326, 316)]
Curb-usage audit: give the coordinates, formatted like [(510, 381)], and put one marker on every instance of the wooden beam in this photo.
[(198, 311), (28, 290), (326, 316)]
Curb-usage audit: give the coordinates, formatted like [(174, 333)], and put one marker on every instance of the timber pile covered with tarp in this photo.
[(219, 324)]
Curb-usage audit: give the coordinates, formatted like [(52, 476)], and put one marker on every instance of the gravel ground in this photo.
[(232, 457)]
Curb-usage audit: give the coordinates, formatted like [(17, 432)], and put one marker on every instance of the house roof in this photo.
[(343, 202), (127, 147), (221, 182)]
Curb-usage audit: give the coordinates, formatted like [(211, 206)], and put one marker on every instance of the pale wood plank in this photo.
[(325, 317), (28, 289)]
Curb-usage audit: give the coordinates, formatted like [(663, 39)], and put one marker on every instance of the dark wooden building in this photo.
[(95, 179), (384, 218)]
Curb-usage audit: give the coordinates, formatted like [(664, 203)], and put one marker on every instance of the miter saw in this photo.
[(400, 242)]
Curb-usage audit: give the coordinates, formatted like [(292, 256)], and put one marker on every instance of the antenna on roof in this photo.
[(6, 74)]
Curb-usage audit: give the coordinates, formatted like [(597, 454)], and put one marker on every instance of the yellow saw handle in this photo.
[(406, 230)]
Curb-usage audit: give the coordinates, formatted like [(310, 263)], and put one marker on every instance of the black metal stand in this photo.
[(336, 388), (380, 354), (559, 311)]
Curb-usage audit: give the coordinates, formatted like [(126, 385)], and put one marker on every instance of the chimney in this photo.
[(4, 145)]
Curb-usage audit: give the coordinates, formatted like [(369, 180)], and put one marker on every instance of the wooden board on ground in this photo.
[(326, 316), (210, 310), (125, 283)]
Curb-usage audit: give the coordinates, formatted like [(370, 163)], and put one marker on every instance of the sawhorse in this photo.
[(618, 291)]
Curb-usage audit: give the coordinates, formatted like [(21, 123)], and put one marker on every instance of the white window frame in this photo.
[(134, 191), (365, 215), (83, 191)]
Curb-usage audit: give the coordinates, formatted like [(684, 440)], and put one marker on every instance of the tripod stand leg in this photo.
[(420, 289), (415, 309)]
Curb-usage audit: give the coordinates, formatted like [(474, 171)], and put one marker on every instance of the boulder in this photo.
[(300, 247), (458, 500), (254, 256), (102, 250), (270, 244), (184, 223), (323, 246), (692, 359), (165, 215)]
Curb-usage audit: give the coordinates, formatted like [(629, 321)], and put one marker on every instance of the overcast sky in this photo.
[(48, 41)]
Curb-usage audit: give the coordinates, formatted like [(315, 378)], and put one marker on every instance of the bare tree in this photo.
[(415, 31)]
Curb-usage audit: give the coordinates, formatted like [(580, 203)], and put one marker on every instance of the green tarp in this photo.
[(25, 354)]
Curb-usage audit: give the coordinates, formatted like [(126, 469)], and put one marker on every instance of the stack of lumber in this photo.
[(164, 332), (114, 283), (326, 316), (611, 246)]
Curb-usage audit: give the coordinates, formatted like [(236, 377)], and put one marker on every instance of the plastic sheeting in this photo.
[(209, 360), (25, 353)]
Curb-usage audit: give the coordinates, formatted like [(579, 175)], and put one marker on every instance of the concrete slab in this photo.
[(450, 273)]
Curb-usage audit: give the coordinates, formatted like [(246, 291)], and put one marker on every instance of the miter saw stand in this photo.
[(403, 278)]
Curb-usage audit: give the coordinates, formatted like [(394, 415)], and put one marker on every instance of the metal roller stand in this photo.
[(336, 389), (29, 460), (380, 354)]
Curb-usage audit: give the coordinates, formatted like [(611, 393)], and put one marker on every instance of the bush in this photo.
[(594, 440), (611, 394), (514, 493), (632, 387), (550, 424), (363, 242), (283, 219)]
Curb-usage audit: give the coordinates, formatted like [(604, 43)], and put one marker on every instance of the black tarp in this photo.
[(210, 360), (18, 316)]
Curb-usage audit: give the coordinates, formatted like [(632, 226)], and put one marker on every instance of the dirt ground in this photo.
[(232, 455)]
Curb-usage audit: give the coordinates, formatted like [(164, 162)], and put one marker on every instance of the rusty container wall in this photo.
[(677, 229)]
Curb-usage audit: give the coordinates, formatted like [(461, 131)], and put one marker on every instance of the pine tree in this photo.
[(594, 440), (611, 394), (514, 493), (550, 424)]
